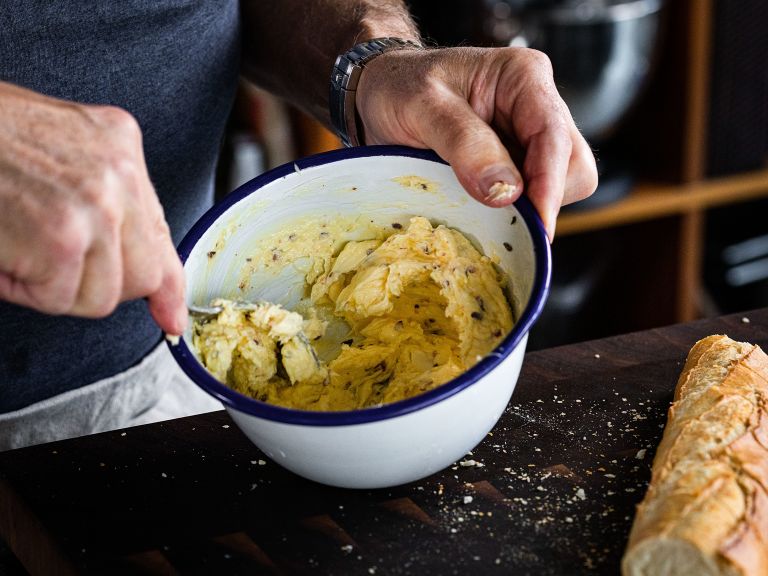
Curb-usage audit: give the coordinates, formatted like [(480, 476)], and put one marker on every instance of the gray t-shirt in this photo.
[(174, 65)]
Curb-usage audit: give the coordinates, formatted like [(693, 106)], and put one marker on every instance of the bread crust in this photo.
[(706, 508)]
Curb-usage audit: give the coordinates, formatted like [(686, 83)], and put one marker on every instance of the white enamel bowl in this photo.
[(395, 443)]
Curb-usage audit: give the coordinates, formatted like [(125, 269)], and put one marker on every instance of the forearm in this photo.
[(290, 46)]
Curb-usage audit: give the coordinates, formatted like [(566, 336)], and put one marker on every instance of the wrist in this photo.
[(345, 79)]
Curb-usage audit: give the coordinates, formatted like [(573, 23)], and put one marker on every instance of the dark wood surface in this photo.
[(561, 474)]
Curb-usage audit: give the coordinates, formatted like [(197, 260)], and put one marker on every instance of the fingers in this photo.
[(141, 239), (102, 277), (146, 255), (149, 256), (41, 265), (81, 227), (167, 304), (51, 298), (581, 180), (560, 169), (132, 255), (155, 272), (547, 159), (482, 164), (559, 166)]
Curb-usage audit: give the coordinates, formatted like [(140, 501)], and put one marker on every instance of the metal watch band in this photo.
[(344, 79)]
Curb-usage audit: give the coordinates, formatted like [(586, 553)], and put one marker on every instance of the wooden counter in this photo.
[(552, 492)]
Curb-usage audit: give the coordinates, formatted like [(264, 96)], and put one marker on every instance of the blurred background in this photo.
[(673, 97)]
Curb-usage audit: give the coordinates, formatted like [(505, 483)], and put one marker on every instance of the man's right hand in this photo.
[(81, 228)]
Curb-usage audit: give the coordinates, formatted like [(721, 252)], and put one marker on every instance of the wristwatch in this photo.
[(344, 79)]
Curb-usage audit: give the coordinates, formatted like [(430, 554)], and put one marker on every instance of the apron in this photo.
[(155, 389)]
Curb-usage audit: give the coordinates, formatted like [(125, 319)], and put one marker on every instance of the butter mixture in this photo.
[(422, 306)]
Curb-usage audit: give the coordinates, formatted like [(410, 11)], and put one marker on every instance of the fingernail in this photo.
[(501, 187)]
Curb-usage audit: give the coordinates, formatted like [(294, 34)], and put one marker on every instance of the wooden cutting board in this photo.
[(551, 490)]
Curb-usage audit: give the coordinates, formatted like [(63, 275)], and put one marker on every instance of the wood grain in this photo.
[(651, 201)]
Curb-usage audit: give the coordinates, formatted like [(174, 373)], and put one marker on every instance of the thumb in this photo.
[(480, 160)]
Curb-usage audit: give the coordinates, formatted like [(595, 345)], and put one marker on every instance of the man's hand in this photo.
[(81, 228), (473, 106)]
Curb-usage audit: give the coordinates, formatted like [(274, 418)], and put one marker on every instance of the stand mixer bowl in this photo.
[(601, 51)]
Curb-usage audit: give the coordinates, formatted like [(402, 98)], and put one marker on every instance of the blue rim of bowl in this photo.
[(241, 403)]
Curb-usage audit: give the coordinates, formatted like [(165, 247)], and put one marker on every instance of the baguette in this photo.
[(706, 509)]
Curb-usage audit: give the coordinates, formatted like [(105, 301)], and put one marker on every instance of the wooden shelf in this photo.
[(650, 201)]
